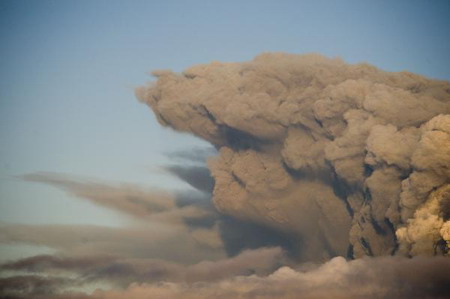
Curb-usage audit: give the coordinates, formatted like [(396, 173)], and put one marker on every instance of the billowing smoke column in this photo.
[(347, 159)]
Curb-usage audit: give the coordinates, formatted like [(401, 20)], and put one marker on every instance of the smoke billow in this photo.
[(347, 159), (314, 160)]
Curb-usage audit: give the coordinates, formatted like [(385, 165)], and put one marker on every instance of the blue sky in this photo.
[(68, 70)]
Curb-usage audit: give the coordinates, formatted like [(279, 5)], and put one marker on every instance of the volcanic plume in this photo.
[(346, 159), (317, 166)]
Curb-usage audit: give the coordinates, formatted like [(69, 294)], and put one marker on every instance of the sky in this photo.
[(68, 70)]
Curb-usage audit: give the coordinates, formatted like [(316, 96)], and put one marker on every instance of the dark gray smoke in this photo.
[(347, 159)]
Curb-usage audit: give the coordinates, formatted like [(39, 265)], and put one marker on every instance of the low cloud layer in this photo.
[(368, 278), (119, 272), (382, 277), (252, 274)]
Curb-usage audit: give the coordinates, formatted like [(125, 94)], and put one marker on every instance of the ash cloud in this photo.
[(127, 198), (188, 216), (313, 159), (152, 240), (340, 156)]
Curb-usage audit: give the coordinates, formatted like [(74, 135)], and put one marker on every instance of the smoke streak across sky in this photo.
[(317, 176)]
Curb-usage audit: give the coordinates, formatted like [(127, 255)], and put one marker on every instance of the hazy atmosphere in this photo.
[(239, 149)]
